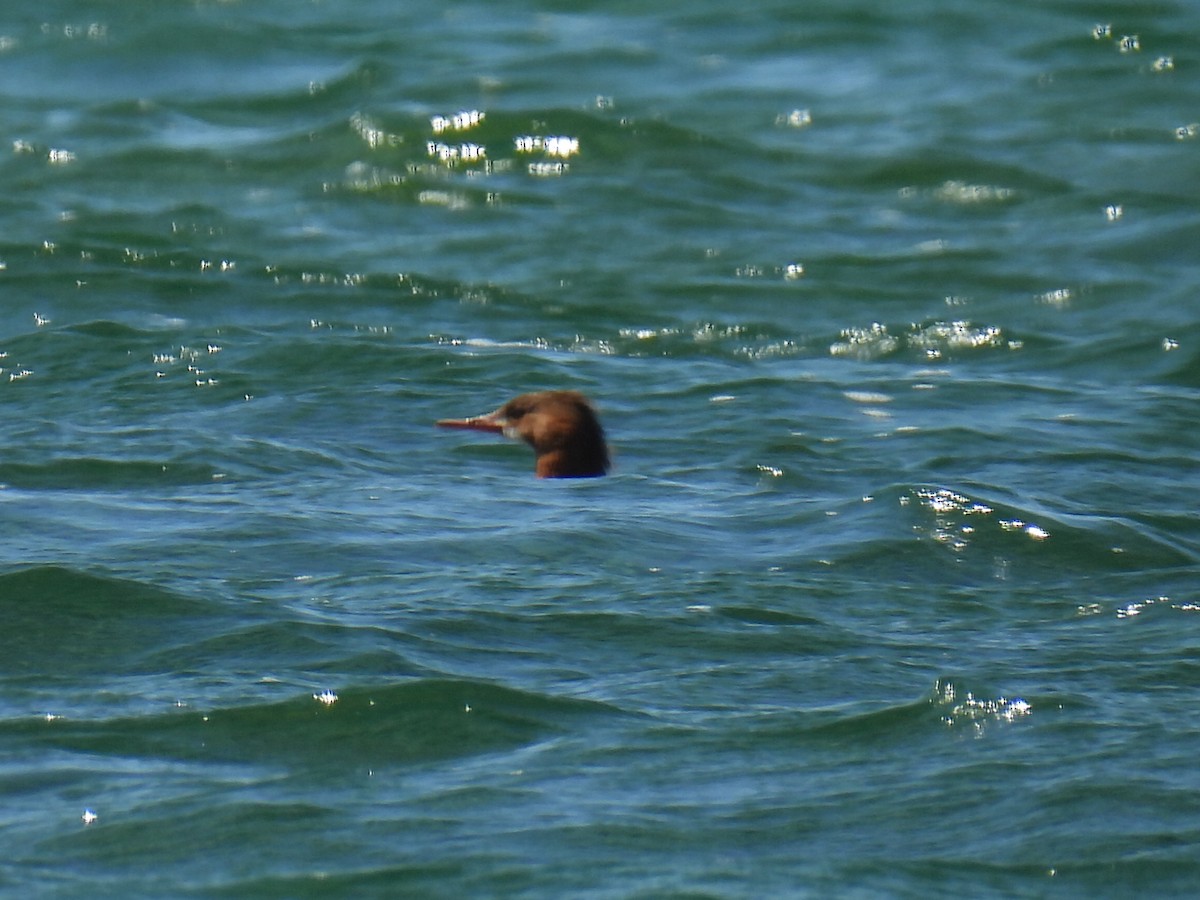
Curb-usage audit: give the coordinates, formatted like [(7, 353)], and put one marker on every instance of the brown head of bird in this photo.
[(560, 426)]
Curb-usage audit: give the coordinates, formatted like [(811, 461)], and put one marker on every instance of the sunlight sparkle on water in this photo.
[(553, 145), (460, 121), (976, 712)]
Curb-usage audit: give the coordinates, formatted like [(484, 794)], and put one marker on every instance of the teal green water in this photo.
[(890, 312)]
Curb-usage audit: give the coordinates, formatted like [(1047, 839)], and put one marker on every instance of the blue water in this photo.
[(890, 312)]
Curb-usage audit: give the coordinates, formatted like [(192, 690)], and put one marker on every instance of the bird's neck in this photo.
[(560, 464)]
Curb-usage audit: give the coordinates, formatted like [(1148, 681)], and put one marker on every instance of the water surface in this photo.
[(891, 317)]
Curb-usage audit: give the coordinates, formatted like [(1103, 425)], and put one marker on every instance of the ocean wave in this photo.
[(98, 474), (66, 626), (383, 726), (46, 591), (1015, 536)]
